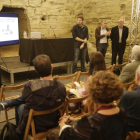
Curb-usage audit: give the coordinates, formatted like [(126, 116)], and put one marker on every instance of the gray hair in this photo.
[(103, 20), (138, 70), (136, 52)]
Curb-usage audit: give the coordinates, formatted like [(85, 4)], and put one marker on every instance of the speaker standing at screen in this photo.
[(118, 36), (80, 35)]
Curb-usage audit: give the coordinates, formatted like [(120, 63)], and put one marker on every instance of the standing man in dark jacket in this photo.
[(102, 35), (44, 94), (119, 34), (80, 35)]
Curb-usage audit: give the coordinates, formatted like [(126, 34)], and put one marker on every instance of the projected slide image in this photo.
[(9, 28)]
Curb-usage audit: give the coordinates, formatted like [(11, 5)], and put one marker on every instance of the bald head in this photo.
[(120, 22)]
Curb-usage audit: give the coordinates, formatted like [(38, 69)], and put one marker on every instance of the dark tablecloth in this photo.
[(58, 49)]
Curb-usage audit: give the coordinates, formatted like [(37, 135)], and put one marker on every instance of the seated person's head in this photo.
[(42, 65), (104, 87), (137, 76), (136, 52), (97, 62)]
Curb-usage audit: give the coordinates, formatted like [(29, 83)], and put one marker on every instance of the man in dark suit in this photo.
[(102, 35), (118, 36)]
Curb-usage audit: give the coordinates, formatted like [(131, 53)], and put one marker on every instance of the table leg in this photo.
[(12, 78), (69, 68)]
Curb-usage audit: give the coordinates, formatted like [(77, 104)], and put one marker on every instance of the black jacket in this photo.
[(115, 35), (97, 127), (42, 95)]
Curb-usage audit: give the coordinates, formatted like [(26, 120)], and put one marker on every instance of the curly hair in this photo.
[(104, 87)]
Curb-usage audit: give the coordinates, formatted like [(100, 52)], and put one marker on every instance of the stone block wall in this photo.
[(61, 15)]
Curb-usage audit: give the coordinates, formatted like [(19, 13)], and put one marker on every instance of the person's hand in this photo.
[(85, 40), (73, 119), (64, 119), (107, 33), (82, 46)]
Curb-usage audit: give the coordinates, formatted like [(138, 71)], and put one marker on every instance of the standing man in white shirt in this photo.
[(119, 34), (102, 35)]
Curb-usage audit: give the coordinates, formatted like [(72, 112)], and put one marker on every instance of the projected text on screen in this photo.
[(9, 29)]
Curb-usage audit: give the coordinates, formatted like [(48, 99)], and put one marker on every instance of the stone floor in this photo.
[(21, 78)]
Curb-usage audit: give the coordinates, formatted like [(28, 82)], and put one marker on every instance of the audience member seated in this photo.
[(128, 73), (108, 123), (43, 94), (97, 63), (130, 101)]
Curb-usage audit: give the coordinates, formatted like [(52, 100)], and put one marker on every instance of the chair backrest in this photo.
[(74, 100), (6, 88), (2, 98), (133, 136), (111, 68), (79, 74), (130, 86), (31, 124), (121, 66), (72, 76)]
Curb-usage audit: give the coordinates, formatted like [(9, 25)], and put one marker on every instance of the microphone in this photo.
[(53, 31)]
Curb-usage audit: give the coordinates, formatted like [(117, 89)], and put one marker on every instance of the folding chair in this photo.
[(120, 66), (130, 86), (2, 98), (78, 77), (110, 68), (133, 136), (69, 85), (77, 100), (31, 124)]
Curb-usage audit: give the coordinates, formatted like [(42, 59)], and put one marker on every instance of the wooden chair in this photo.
[(78, 77), (120, 66), (130, 86), (77, 100), (133, 136), (111, 68), (69, 85), (31, 124), (2, 98)]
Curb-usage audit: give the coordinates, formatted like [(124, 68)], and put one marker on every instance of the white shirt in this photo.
[(102, 32), (120, 34)]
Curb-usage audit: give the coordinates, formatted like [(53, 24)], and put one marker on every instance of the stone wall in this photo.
[(62, 15)]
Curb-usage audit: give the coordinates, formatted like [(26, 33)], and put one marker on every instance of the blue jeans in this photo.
[(83, 52), (19, 106)]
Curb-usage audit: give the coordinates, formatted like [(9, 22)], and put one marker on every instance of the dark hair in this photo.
[(42, 64), (81, 17), (97, 62), (104, 87)]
